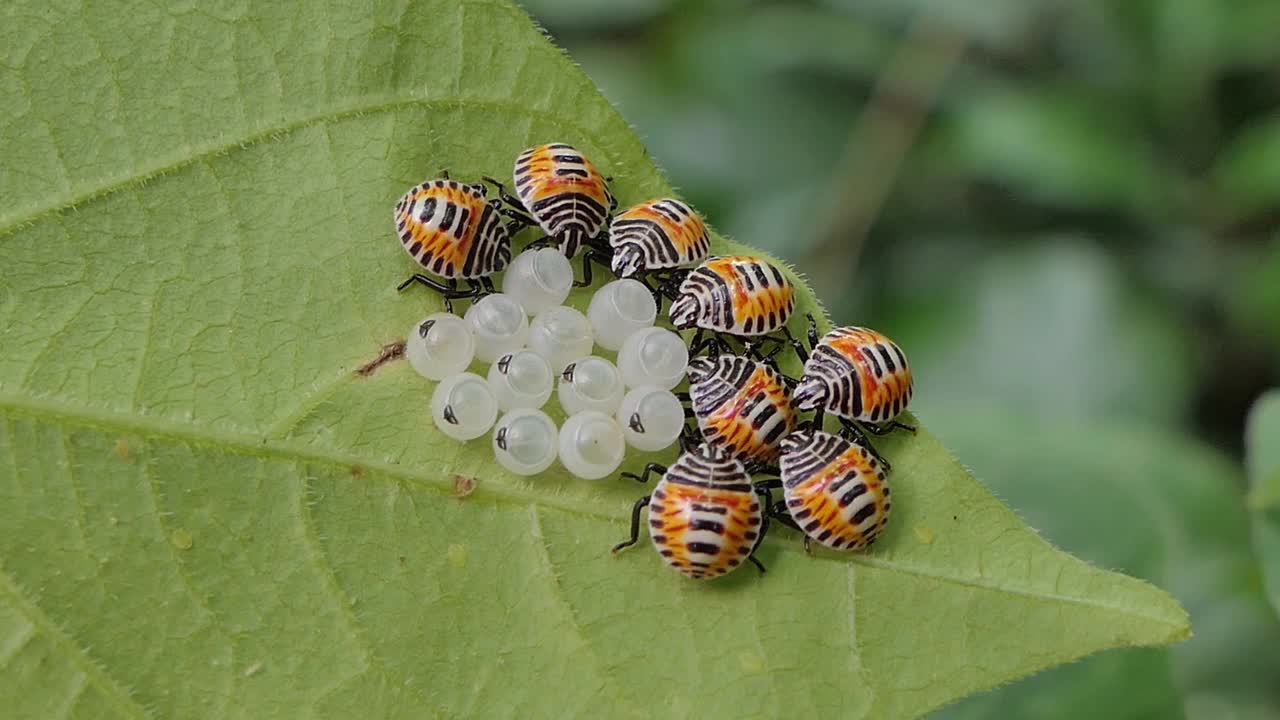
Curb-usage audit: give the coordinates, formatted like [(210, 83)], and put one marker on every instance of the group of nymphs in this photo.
[(710, 509)]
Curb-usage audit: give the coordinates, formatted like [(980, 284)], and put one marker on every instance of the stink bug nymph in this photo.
[(741, 406), (659, 234), (834, 490), (856, 374), (705, 517), (734, 295), (561, 191), (449, 229)]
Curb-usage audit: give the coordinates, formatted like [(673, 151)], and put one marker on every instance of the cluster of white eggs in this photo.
[(607, 406)]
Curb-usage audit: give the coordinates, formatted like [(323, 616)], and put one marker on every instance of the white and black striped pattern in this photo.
[(656, 235), (835, 491), (705, 517), (741, 406), (564, 193), (856, 373), (738, 295), (439, 218)]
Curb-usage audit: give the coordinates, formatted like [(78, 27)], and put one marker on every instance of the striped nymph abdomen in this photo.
[(855, 373), (656, 235), (741, 406), (564, 192), (835, 490), (704, 516), (738, 295), (451, 230)]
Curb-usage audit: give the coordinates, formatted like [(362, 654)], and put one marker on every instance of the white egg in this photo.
[(522, 379), (499, 326), (525, 441), (591, 445), (539, 279), (619, 310), (655, 356), (590, 383), (561, 335), (651, 418), (463, 406), (439, 346)]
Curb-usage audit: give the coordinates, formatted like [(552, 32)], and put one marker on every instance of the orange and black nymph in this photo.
[(741, 406), (452, 231), (561, 191), (705, 517), (855, 373), (834, 490), (735, 295), (659, 234)]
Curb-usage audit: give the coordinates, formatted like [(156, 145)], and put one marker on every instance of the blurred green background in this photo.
[(1066, 212)]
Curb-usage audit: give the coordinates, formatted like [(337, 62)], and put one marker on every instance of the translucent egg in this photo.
[(655, 356), (651, 418), (525, 441), (591, 445), (463, 406), (590, 383), (539, 279), (499, 326), (619, 310), (561, 335), (439, 346), (522, 379)]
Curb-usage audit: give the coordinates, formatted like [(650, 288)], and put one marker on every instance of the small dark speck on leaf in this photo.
[(357, 472), (955, 517), (463, 485), (389, 352)]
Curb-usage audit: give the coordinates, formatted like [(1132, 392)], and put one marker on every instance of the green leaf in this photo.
[(208, 513), (1262, 444), (1161, 507), (1056, 145), (1248, 170)]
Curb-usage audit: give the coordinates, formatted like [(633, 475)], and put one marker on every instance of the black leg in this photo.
[(801, 351), (690, 439), (635, 525), (507, 197), (853, 431), (765, 499), (813, 332), (699, 343), (448, 290), (770, 484), (759, 467), (650, 469), (544, 241), (590, 256)]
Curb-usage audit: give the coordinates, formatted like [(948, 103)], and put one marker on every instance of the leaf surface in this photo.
[(208, 513), (1262, 445)]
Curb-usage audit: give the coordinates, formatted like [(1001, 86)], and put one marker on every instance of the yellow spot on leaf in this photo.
[(457, 556), (750, 662), (923, 534), (122, 449), (181, 539)]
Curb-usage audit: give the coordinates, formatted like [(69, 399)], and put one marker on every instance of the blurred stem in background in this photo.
[(881, 139)]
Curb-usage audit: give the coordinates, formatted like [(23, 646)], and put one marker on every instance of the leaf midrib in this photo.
[(272, 449), (25, 218)]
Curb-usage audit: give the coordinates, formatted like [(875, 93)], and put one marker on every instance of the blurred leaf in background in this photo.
[(1070, 224), (1263, 444)]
